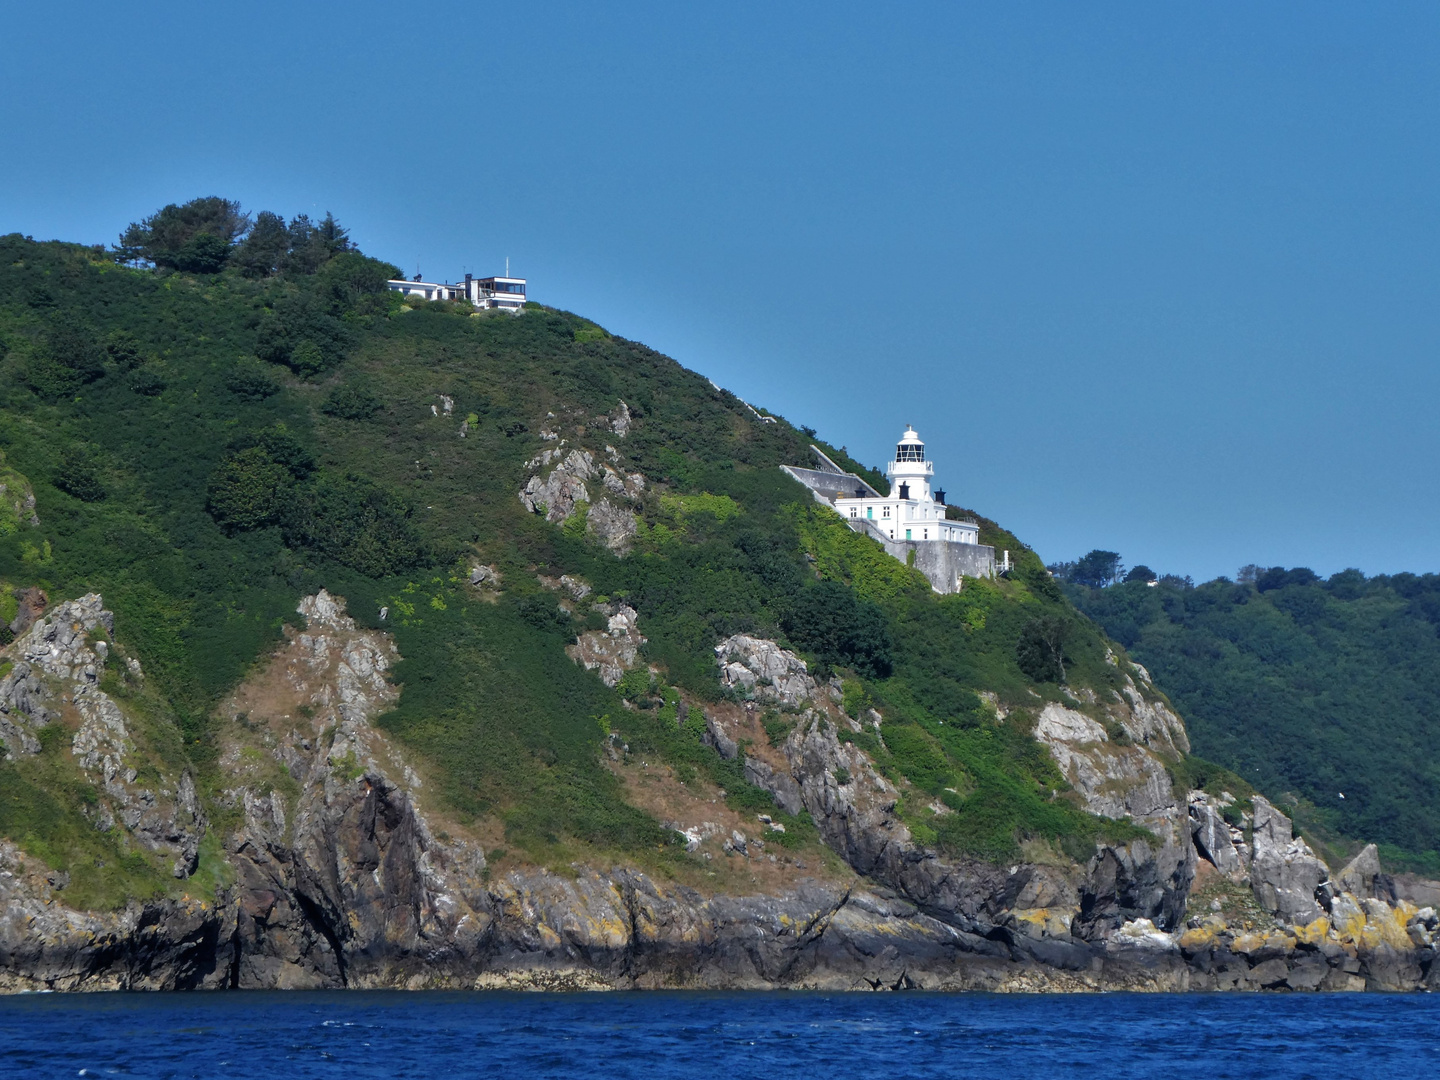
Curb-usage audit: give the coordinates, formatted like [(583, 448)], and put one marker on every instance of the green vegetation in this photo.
[(41, 801), (252, 420), (1306, 688)]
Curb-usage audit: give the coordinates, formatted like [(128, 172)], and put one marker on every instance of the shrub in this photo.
[(147, 381), (123, 350), (249, 381), (1040, 652), (826, 619), (351, 401), (248, 490), (303, 335), (79, 476), (282, 446), (355, 521)]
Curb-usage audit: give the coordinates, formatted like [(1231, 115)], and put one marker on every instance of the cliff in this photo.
[(608, 700), (345, 879)]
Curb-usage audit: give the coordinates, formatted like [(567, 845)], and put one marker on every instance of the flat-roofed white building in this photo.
[(506, 293), (497, 292), (429, 290)]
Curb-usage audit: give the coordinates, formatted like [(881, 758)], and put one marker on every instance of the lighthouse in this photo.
[(910, 523), (911, 511)]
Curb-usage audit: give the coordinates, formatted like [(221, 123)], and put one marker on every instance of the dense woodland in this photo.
[(224, 414), (1316, 687)]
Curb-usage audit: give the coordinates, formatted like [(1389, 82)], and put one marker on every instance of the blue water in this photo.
[(655, 1036)]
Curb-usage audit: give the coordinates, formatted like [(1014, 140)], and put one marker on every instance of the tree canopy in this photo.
[(207, 235)]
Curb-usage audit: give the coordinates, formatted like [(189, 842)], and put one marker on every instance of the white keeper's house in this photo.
[(506, 293), (910, 522)]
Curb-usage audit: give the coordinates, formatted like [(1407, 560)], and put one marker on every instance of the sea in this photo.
[(718, 1036)]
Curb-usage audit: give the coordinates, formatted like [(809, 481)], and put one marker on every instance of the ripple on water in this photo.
[(729, 1036)]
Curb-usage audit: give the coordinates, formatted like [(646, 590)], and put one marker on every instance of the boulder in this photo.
[(1284, 873), (1359, 876)]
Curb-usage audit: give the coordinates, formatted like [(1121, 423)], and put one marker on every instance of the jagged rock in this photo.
[(349, 886), (620, 420), (1360, 875), (557, 494), (1142, 879), (577, 588), (59, 659), (485, 575), (760, 668), (1211, 834), (1284, 872), (614, 650), (22, 710), (32, 603), (613, 525)]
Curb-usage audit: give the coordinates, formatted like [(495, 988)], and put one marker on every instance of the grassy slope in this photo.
[(490, 698)]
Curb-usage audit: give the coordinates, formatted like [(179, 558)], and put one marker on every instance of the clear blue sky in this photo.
[(1155, 278)]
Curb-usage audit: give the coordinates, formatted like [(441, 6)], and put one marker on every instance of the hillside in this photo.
[(360, 641), (1318, 688)]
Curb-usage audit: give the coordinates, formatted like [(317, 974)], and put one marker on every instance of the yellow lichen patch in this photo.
[(1199, 937), (1312, 933), (1348, 918), (1248, 943), (1053, 922), (1385, 925)]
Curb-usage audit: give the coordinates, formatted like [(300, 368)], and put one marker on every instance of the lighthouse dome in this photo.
[(910, 447)]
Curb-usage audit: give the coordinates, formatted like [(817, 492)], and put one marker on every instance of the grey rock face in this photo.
[(562, 482), (61, 657), (613, 651), (1284, 872), (1144, 879), (557, 493), (612, 524), (1360, 875), (760, 669), (1212, 836), (349, 886)]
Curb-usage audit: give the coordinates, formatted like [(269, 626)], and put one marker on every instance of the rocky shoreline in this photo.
[(347, 885)]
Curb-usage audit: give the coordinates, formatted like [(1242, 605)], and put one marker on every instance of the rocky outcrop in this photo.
[(1042, 907), (1118, 769), (340, 879), (1216, 840), (758, 669), (556, 494), (613, 651), (57, 667), (564, 483)]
